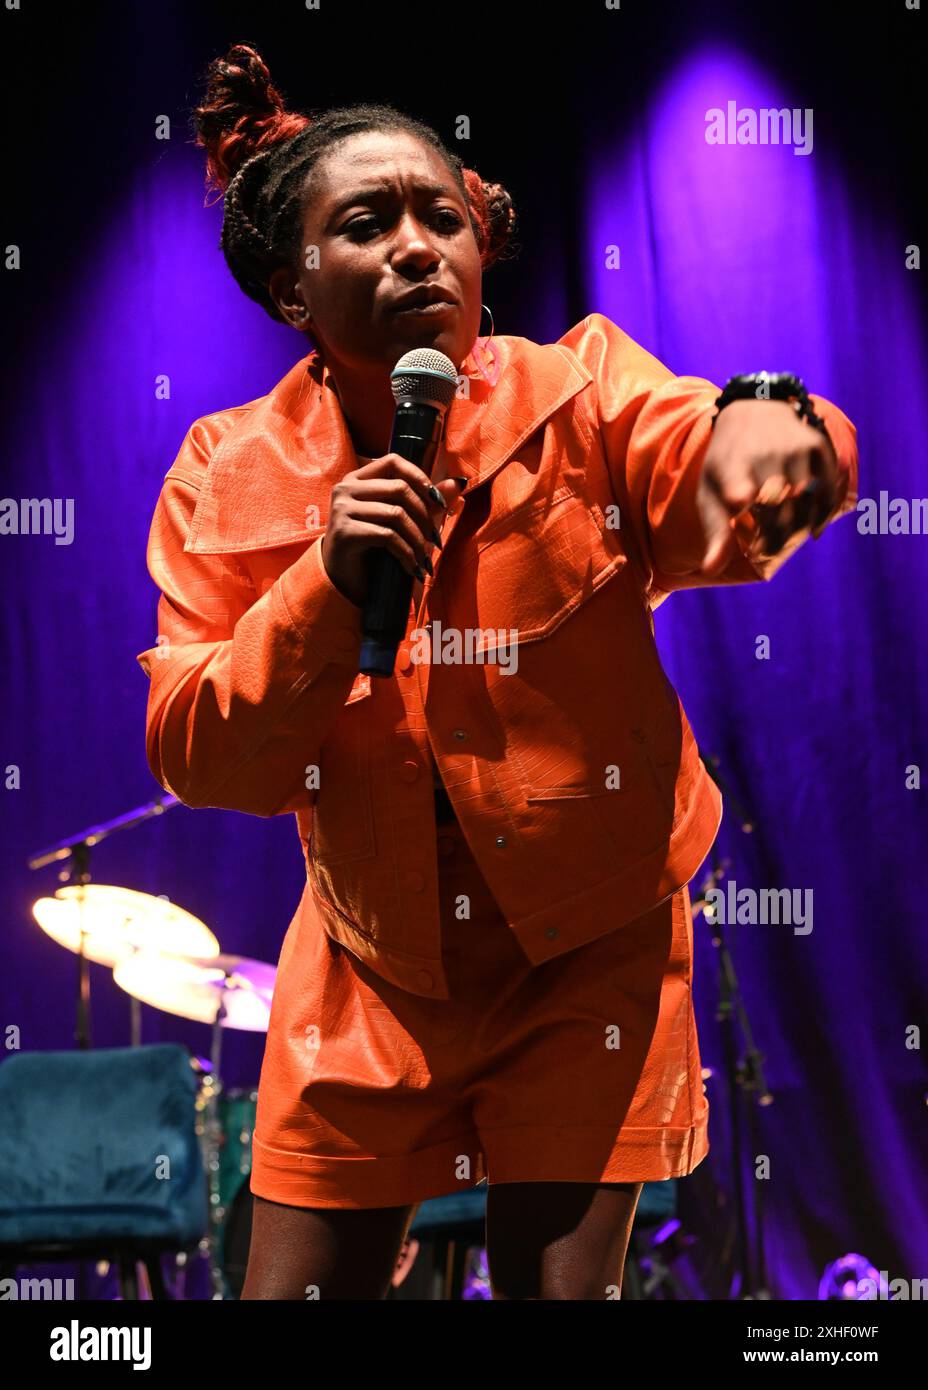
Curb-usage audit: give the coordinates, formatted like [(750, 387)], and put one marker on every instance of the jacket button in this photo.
[(409, 771), (552, 933), (460, 734), (425, 979), (501, 842), (415, 881)]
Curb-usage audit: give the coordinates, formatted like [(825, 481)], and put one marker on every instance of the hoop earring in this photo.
[(485, 360)]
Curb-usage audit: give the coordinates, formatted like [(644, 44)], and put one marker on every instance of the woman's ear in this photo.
[(287, 293)]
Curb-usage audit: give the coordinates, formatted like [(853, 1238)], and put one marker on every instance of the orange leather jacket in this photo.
[(574, 774)]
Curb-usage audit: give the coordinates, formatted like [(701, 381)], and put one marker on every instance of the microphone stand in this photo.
[(745, 1078)]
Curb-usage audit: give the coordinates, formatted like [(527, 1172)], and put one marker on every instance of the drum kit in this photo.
[(165, 957)]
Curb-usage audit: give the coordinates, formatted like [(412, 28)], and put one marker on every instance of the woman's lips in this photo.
[(428, 310)]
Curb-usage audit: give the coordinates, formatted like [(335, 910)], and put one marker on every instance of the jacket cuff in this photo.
[(843, 435), (324, 618)]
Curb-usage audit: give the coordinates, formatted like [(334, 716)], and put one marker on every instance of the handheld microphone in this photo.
[(424, 382)]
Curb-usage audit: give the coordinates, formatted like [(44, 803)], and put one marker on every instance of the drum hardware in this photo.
[(208, 1128), (224, 1125), (745, 1077), (238, 1108)]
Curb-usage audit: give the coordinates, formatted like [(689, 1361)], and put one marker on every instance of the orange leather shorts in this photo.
[(583, 1069)]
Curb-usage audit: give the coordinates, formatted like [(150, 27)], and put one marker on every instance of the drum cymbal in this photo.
[(196, 988), (116, 922)]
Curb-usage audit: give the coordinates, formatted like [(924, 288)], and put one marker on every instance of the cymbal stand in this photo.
[(79, 874), (76, 850)]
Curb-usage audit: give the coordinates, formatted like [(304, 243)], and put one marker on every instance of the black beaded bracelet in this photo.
[(776, 386)]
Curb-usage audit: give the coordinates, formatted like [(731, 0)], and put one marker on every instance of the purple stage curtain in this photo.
[(734, 258)]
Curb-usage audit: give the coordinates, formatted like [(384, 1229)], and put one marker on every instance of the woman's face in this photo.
[(387, 216)]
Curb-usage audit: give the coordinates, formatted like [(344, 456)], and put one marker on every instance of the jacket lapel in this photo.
[(284, 456)]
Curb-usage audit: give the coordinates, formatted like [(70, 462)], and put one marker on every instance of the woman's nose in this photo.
[(414, 244)]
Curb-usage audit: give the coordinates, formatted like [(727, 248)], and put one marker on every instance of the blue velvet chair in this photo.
[(99, 1159), (455, 1223)]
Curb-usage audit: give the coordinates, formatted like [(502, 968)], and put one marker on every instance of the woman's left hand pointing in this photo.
[(765, 458)]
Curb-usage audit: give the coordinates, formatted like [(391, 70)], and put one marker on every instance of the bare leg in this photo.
[(559, 1240), (322, 1252)]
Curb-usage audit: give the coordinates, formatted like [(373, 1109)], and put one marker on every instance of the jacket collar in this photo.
[(289, 449)]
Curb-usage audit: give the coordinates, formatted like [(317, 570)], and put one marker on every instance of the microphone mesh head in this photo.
[(425, 375)]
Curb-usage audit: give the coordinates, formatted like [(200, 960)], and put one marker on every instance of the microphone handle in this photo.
[(416, 435)]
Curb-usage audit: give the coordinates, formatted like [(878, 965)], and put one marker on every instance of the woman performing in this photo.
[(489, 974)]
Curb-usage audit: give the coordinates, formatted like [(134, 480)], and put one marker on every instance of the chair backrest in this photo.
[(100, 1143), (657, 1203)]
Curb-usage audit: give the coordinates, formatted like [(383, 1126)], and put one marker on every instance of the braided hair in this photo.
[(259, 155)]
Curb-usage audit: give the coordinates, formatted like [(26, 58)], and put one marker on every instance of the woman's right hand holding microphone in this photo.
[(386, 504)]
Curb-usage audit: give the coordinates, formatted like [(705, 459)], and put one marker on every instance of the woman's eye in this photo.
[(364, 227), (361, 226)]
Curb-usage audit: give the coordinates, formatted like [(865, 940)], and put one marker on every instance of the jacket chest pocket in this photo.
[(532, 568), (579, 702), (529, 602)]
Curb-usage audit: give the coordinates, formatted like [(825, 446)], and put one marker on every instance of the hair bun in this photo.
[(495, 217), (242, 112)]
